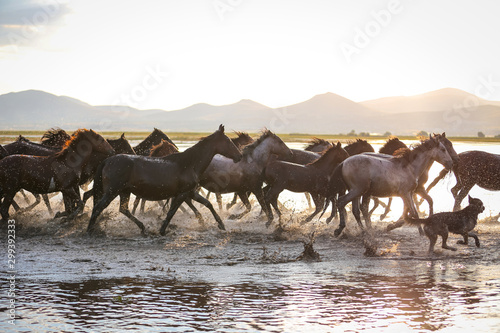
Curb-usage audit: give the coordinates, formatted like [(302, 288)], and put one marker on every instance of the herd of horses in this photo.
[(156, 170)]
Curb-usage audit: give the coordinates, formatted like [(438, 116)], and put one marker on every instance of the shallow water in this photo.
[(198, 278)]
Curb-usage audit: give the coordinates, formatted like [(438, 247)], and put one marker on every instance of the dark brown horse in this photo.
[(473, 168), (310, 178), (45, 174), (176, 176), (153, 139), (164, 148)]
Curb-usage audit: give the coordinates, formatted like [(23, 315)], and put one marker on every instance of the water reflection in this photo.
[(362, 302)]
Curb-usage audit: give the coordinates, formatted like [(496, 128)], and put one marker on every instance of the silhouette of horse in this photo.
[(358, 146), (473, 168), (309, 178), (176, 176), (55, 137), (153, 139), (318, 145), (368, 175), (45, 174), (222, 176)]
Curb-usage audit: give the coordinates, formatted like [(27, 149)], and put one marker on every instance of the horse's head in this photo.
[(449, 146), (121, 145), (224, 146), (340, 153), (277, 146), (391, 146), (242, 140), (165, 148), (440, 153), (98, 143), (318, 145)]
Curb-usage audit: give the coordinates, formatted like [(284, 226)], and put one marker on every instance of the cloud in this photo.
[(23, 22)]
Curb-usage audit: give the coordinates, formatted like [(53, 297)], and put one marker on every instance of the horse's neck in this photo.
[(72, 159), (199, 156), (260, 155), (421, 163)]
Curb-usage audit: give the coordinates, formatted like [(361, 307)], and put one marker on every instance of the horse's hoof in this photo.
[(461, 242), (222, 227), (337, 232), (268, 224)]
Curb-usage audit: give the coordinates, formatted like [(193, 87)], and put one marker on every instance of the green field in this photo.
[(9, 136)]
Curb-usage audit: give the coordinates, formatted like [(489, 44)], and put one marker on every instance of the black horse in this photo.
[(175, 175)]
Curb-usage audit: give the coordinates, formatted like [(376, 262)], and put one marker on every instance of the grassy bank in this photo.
[(9, 136)]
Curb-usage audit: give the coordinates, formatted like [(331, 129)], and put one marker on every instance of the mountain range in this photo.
[(451, 110)]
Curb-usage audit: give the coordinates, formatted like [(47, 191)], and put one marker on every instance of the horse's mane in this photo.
[(355, 141), (248, 150), (324, 154), (70, 145), (315, 142), (243, 139), (407, 154), (53, 136), (351, 144), (392, 145)]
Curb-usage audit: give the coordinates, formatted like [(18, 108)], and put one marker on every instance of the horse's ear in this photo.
[(470, 199), (339, 145), (221, 128), (443, 135), (123, 136)]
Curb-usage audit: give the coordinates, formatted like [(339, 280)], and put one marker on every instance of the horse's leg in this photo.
[(308, 199), (15, 206), (333, 201), (257, 191), (87, 195), (8, 198), (387, 209), (356, 212), (319, 202), (46, 200), (376, 203), (143, 205), (244, 198), (195, 211), (176, 202), (218, 197), (25, 196), (77, 202), (365, 203), (136, 203), (421, 191), (341, 203), (97, 210), (124, 200), (198, 198), (33, 205), (461, 195), (233, 202)]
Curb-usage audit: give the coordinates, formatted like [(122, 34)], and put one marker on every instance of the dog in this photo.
[(461, 222)]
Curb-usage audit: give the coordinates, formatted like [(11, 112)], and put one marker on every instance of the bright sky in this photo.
[(171, 54)]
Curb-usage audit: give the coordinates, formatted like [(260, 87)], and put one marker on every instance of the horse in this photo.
[(144, 148), (55, 137), (473, 168), (317, 145), (57, 172), (358, 146), (309, 178), (368, 175), (222, 176), (23, 146), (164, 148), (389, 148), (242, 140), (175, 175)]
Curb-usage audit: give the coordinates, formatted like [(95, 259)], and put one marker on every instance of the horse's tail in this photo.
[(97, 189)]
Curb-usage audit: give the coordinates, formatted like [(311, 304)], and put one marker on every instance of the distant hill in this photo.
[(441, 110), (438, 100)]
